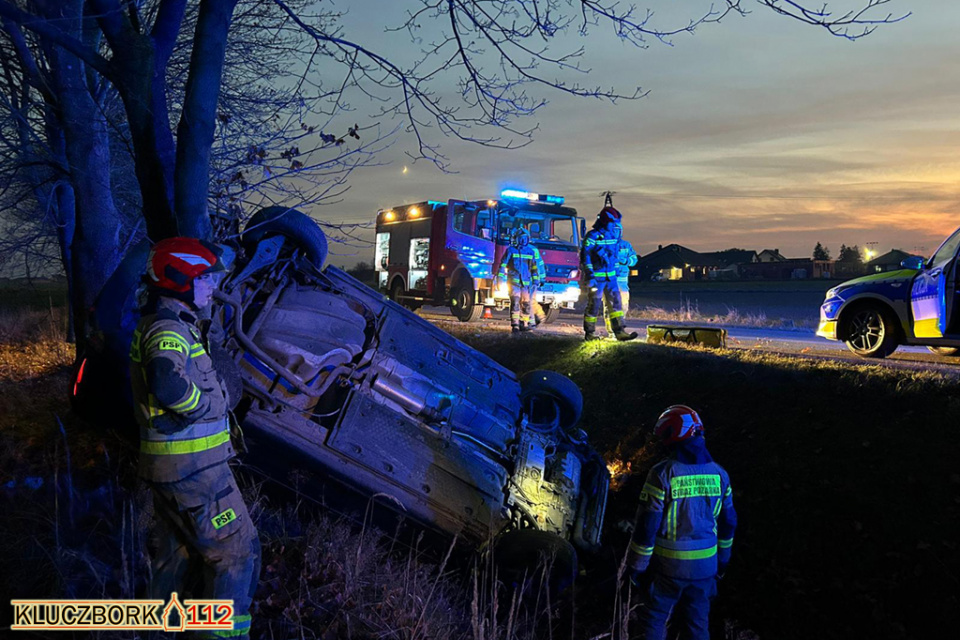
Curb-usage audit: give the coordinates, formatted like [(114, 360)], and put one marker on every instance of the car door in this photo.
[(934, 290)]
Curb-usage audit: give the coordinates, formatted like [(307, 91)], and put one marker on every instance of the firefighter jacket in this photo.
[(686, 519), (599, 255), (181, 405), (522, 266), (626, 258)]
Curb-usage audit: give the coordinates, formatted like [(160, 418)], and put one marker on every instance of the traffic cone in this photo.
[(487, 314)]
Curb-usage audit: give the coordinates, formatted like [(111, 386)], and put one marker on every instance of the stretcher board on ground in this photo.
[(706, 336)]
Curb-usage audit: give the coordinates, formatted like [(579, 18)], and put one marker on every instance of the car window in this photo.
[(947, 250)]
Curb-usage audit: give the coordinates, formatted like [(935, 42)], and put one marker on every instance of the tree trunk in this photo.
[(95, 246), (198, 119)]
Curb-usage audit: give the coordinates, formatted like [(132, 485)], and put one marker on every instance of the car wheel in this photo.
[(870, 331), (463, 303), (563, 392), (945, 351), (551, 312), (522, 555), (299, 227)]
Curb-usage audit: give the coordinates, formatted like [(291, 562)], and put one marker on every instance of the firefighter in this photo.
[(182, 409), (599, 259), (522, 269), (685, 523), (626, 258)]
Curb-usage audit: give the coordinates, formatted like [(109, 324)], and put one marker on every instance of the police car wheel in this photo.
[(945, 351), (869, 331)]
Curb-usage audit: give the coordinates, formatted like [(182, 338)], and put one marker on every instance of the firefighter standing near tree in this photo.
[(626, 258), (522, 269), (685, 523), (182, 409), (599, 260)]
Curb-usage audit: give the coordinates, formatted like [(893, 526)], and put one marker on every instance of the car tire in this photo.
[(560, 388), (945, 351), (297, 226), (463, 303), (550, 312), (522, 555), (870, 331)]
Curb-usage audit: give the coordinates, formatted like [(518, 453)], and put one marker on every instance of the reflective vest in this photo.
[(522, 266), (626, 258), (688, 519), (180, 403), (599, 255)]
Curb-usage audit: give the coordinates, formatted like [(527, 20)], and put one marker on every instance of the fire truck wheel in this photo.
[(300, 228), (396, 294), (551, 312), (463, 303)]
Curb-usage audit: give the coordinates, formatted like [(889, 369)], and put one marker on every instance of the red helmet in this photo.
[(606, 216), (677, 423), (175, 262)]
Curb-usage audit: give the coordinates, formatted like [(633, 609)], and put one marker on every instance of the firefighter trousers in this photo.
[(687, 600), (204, 543), (606, 293), (520, 299), (624, 304)]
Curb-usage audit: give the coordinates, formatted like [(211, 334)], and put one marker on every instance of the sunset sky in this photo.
[(759, 132)]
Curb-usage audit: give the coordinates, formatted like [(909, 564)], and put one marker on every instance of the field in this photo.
[(844, 476)]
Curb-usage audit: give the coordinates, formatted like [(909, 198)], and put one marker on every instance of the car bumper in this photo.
[(828, 329)]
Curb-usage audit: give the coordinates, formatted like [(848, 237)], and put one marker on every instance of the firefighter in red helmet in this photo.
[(599, 261), (684, 529), (182, 410)]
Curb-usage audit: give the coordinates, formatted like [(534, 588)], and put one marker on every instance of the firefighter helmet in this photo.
[(175, 262), (606, 216), (677, 423), (521, 237)]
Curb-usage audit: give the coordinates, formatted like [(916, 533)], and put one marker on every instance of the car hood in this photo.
[(887, 276)]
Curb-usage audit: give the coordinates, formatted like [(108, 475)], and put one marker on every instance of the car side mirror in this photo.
[(913, 262)]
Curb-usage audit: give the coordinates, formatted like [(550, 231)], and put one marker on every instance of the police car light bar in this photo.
[(533, 197)]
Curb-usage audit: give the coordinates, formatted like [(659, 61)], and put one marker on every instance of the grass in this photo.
[(845, 476), (689, 312)]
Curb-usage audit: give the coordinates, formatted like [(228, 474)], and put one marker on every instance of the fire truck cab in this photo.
[(448, 253)]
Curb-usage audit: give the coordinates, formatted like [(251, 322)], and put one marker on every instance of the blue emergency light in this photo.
[(533, 197)]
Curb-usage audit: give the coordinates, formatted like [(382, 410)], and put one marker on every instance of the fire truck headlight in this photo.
[(574, 273), (503, 290)]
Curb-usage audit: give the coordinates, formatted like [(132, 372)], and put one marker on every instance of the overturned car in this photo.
[(366, 392)]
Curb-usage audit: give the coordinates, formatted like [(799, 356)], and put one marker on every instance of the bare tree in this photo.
[(497, 53)]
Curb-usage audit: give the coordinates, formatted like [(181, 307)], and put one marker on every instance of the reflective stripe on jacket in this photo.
[(522, 266), (687, 520), (599, 255), (626, 258), (180, 403)]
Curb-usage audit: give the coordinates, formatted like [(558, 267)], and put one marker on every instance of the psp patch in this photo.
[(695, 486), (171, 345), (224, 519)]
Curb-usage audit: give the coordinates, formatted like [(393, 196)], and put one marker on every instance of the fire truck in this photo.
[(447, 253)]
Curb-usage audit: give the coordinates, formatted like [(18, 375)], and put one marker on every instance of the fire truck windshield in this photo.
[(542, 227)]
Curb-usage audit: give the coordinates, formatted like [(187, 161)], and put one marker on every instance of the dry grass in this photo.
[(690, 312)]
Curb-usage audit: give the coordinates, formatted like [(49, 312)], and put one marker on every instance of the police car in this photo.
[(915, 305)]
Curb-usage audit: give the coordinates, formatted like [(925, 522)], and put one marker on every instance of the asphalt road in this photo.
[(801, 342)]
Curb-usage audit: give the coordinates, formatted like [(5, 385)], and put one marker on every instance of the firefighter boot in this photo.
[(590, 329), (514, 328), (525, 326), (619, 331)]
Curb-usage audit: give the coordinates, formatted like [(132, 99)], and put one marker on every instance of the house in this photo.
[(676, 262), (790, 269), (770, 255), (890, 261)]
